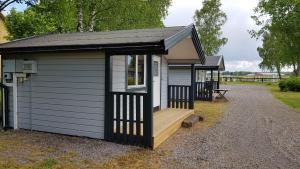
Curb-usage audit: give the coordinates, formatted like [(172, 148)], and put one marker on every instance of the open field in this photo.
[(25, 149)]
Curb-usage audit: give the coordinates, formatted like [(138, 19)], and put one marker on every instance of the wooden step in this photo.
[(191, 120), (167, 122)]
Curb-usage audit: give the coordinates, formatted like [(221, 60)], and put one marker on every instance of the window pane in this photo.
[(141, 69), (155, 68), (131, 70)]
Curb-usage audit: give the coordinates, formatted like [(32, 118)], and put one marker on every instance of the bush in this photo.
[(290, 84), (283, 85)]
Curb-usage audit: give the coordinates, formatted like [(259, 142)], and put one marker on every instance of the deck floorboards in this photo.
[(166, 122)]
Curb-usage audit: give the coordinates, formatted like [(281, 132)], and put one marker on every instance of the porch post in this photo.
[(191, 104), (148, 108), (107, 122), (218, 86), (211, 85)]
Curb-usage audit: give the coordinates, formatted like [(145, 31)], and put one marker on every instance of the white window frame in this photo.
[(136, 72)]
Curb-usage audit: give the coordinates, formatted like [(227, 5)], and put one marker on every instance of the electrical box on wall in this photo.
[(30, 66), (7, 76)]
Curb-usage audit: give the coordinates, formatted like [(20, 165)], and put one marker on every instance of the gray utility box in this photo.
[(13, 66)]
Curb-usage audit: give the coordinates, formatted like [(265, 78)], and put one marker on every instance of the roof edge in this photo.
[(189, 30), (155, 46)]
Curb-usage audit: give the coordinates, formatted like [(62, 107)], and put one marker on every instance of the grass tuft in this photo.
[(210, 111), (49, 163)]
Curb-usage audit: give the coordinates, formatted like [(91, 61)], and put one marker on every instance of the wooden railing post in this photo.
[(218, 86), (191, 95), (108, 128), (148, 108)]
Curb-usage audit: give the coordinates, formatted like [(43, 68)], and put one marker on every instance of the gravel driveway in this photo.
[(257, 131)]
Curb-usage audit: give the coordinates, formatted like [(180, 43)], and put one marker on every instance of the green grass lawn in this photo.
[(292, 99), (241, 83)]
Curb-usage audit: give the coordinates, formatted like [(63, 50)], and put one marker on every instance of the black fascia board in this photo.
[(158, 47), (196, 67)]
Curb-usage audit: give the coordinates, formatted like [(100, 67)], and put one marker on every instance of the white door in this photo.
[(156, 81)]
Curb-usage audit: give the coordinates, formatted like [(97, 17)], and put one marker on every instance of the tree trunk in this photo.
[(296, 69), (79, 16), (92, 18), (278, 69)]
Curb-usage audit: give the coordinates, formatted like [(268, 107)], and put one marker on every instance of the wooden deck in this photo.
[(166, 122)]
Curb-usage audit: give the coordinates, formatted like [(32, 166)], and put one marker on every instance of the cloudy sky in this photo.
[(240, 51)]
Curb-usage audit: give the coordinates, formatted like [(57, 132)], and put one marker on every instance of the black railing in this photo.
[(214, 85), (204, 90), (6, 105), (179, 97), (128, 113)]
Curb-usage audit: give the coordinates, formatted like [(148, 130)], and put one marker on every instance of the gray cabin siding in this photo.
[(183, 76), (164, 83), (65, 96), (179, 76)]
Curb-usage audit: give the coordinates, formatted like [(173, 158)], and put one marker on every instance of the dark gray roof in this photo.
[(95, 38), (212, 62), (156, 41)]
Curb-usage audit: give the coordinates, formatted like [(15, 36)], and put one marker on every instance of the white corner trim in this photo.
[(15, 100)]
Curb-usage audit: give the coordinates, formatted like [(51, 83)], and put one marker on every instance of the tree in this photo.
[(209, 21), (59, 16), (272, 54), (42, 18), (281, 17), (101, 15)]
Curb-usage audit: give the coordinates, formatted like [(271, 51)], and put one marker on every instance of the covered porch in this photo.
[(204, 89), (141, 108)]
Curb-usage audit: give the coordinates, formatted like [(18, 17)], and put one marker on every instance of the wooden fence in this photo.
[(251, 79)]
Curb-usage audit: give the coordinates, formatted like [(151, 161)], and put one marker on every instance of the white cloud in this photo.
[(243, 65), (240, 49), (181, 12)]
